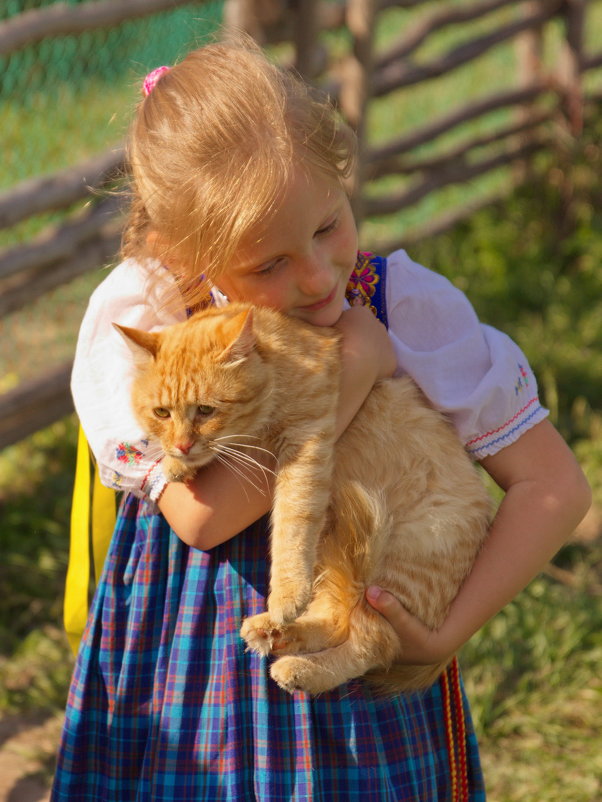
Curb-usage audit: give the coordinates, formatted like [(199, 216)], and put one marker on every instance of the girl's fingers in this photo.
[(420, 644), (388, 606)]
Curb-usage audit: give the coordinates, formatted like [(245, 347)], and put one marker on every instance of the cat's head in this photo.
[(201, 385)]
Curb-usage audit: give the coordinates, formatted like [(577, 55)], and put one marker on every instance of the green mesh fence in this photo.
[(69, 97)]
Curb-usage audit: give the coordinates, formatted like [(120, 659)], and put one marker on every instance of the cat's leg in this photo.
[(175, 470), (371, 644), (324, 624), (298, 517)]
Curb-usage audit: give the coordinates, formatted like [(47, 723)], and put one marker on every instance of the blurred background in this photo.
[(480, 125)]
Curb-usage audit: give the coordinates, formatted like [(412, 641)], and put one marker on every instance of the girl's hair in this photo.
[(211, 147)]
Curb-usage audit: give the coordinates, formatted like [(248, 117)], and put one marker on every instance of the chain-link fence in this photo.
[(66, 97)]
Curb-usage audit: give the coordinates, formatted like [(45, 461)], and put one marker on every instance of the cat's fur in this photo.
[(395, 502)]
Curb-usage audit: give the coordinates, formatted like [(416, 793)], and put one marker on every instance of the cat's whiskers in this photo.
[(243, 460), (226, 461), (236, 446), (230, 437), (232, 447), (154, 450)]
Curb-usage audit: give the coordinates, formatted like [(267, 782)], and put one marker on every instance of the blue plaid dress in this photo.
[(166, 706)]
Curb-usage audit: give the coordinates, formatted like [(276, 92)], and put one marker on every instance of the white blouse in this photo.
[(474, 373)]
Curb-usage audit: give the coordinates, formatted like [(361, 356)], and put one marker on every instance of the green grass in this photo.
[(532, 675), (36, 478)]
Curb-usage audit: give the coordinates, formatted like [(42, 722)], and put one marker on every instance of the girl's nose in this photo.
[(316, 276)]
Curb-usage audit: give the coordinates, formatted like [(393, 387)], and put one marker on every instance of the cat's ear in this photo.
[(142, 344), (239, 331)]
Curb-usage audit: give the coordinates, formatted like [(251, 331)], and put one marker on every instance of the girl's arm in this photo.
[(546, 496), (216, 504)]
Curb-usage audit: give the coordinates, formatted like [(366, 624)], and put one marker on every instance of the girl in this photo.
[(238, 180)]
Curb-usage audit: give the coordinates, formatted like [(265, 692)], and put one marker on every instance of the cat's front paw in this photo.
[(262, 635), (175, 470)]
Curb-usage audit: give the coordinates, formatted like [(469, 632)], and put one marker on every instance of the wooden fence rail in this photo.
[(61, 19), (541, 100)]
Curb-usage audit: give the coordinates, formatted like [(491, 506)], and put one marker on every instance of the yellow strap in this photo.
[(78, 570), (77, 585)]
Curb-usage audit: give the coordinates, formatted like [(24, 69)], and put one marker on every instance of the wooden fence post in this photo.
[(305, 35), (529, 48), (529, 51), (356, 84), (570, 64), (255, 17)]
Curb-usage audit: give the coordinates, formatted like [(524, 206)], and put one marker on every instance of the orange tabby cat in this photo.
[(395, 502)]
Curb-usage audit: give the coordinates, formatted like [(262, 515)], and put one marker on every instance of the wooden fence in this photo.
[(542, 101)]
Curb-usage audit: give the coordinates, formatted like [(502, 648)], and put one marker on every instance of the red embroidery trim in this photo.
[(504, 425), (148, 473)]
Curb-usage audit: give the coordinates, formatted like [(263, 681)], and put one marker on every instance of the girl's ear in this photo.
[(155, 244), (239, 331), (144, 345), (160, 249)]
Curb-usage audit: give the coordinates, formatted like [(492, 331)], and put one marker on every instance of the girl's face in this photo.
[(299, 262)]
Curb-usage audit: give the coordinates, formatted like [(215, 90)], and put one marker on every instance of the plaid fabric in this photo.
[(165, 703)]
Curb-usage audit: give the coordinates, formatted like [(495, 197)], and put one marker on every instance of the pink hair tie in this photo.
[(151, 79)]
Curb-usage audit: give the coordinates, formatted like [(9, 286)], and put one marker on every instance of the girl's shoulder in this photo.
[(425, 308), (132, 287), (409, 279), (474, 373)]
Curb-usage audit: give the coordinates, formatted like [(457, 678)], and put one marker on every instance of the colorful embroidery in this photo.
[(522, 381), (507, 430), (362, 282), (154, 481), (116, 480), (128, 454)]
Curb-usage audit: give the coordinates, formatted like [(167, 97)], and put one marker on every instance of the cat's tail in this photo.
[(399, 678)]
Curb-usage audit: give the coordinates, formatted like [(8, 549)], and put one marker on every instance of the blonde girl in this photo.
[(239, 193)]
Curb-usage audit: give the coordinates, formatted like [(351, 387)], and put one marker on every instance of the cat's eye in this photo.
[(204, 409), (161, 412)]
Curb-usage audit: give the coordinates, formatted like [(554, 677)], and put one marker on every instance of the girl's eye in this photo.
[(268, 268), (161, 412), (204, 409), (327, 229)]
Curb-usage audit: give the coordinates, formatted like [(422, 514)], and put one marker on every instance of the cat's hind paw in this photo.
[(299, 673)]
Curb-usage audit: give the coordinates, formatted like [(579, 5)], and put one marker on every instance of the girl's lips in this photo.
[(320, 304)]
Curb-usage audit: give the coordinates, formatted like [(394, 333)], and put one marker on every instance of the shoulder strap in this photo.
[(367, 284), (92, 522)]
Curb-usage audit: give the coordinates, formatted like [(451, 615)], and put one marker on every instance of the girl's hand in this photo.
[(421, 646), (366, 343)]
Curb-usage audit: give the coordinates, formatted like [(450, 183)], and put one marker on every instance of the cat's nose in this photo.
[(185, 447)]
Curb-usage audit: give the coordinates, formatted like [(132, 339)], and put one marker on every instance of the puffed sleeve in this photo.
[(103, 372), (472, 372)]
